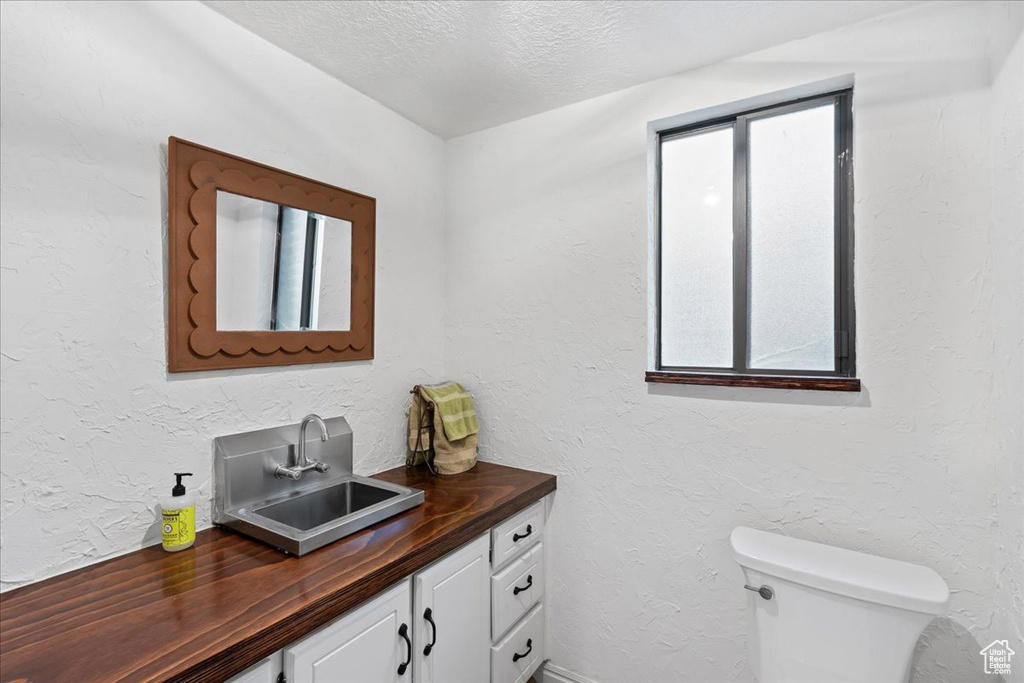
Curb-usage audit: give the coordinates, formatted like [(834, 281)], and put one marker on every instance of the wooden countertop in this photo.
[(209, 612)]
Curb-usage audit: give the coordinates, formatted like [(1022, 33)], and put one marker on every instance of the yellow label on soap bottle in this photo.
[(179, 526)]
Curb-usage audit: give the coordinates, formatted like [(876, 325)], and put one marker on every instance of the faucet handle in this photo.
[(283, 472), (321, 467)]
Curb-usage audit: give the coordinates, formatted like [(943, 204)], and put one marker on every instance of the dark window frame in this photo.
[(843, 375), (308, 270)]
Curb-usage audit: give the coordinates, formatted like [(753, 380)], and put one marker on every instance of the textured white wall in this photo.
[(1007, 310), (546, 322), (92, 424)]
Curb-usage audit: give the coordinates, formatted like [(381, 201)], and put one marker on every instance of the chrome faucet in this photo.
[(302, 463)]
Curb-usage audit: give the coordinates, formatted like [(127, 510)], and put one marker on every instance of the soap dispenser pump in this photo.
[(179, 517)]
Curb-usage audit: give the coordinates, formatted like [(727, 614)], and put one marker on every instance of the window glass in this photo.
[(696, 250), (791, 240)]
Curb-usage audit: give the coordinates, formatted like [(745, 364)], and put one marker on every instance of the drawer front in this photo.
[(520, 653), (515, 589), (516, 534)]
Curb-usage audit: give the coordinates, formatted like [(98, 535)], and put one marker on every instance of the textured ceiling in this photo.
[(459, 67)]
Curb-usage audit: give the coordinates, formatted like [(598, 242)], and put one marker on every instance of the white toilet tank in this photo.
[(834, 615)]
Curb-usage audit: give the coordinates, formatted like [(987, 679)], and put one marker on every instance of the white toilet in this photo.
[(828, 615)]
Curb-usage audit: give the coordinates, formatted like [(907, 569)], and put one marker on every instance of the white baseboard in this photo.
[(549, 673)]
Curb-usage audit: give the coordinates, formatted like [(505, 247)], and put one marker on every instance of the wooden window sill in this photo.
[(763, 381)]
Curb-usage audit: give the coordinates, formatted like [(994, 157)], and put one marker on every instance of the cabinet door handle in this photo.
[(428, 614), (529, 584), (529, 648), (403, 631), (518, 537)]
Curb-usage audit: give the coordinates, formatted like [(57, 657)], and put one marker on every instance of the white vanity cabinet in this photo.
[(265, 671), (452, 615), (517, 592), (476, 615), (432, 628), (370, 644)]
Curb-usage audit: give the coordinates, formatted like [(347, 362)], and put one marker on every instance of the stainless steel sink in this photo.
[(299, 516), (314, 509)]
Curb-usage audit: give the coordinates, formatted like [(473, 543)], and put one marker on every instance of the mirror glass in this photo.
[(281, 268)]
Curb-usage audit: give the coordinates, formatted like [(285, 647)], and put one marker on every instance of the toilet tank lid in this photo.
[(840, 571)]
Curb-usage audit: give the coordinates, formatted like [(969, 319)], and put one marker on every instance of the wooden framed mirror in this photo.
[(265, 267)]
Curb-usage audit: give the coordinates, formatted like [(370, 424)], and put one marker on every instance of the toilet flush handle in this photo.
[(765, 592)]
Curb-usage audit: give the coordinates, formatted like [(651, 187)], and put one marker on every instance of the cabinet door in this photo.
[(265, 671), (364, 646), (452, 617)]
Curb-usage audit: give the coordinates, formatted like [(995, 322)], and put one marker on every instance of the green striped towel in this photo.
[(455, 406)]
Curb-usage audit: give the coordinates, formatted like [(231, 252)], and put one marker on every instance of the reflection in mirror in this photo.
[(280, 268)]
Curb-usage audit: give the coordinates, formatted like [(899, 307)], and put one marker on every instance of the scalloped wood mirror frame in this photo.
[(194, 175)]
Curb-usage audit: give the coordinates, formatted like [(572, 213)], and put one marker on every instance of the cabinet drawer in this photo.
[(515, 589), (518, 655), (516, 534)]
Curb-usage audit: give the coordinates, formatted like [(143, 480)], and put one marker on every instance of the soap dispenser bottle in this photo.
[(179, 517)]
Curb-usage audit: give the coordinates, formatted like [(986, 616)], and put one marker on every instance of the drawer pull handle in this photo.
[(403, 631), (518, 537), (529, 648), (529, 584), (429, 616)]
